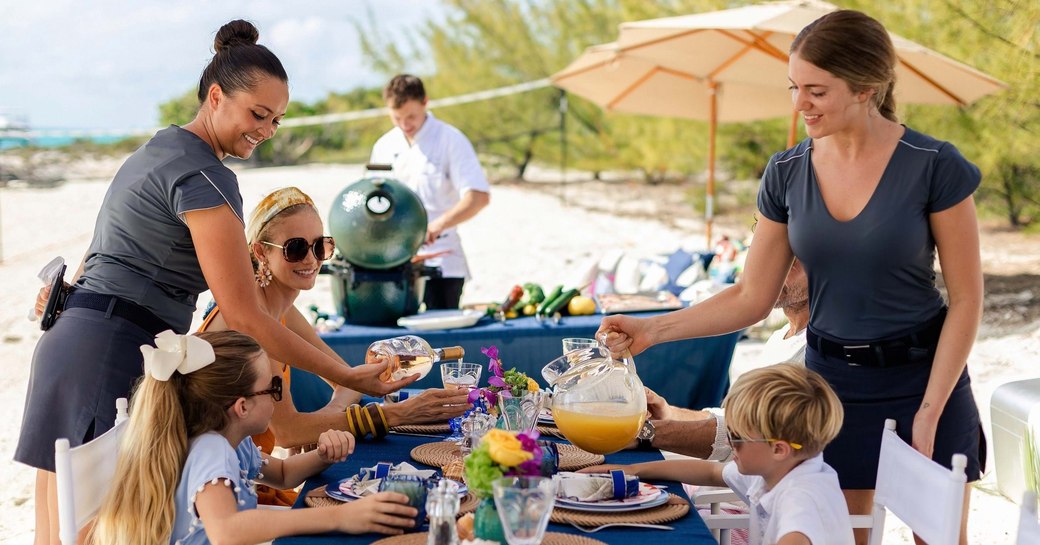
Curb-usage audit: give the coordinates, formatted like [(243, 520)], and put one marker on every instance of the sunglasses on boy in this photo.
[(295, 249), (735, 440)]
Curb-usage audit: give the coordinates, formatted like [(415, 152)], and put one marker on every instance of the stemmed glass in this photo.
[(524, 505), (458, 375)]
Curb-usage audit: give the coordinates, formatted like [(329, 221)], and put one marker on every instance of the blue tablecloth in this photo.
[(692, 373), (689, 530)]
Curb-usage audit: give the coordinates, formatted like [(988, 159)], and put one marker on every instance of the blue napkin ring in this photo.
[(625, 486)]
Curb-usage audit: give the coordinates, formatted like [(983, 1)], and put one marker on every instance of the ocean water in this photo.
[(54, 141)]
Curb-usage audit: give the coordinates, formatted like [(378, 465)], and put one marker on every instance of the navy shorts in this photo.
[(86, 361), (870, 395)]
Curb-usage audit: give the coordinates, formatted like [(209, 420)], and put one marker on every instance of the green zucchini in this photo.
[(561, 301), (549, 299)]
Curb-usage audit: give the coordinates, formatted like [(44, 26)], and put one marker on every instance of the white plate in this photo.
[(348, 495), (593, 507), (441, 319), (649, 496)]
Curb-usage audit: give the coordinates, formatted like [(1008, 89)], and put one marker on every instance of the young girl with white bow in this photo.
[(188, 468)]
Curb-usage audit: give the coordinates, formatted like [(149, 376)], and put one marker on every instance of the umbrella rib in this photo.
[(758, 42), (933, 83), (628, 90)]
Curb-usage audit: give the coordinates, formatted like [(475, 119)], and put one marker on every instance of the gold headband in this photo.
[(271, 206)]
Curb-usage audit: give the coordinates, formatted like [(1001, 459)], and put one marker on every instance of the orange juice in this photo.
[(598, 427)]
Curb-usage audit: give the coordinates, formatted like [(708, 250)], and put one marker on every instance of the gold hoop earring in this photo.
[(263, 275)]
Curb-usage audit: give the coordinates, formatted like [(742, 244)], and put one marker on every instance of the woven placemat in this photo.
[(440, 454), (551, 538), (675, 509), (317, 498), (550, 430), (423, 428)]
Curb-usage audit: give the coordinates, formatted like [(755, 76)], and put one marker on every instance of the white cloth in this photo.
[(364, 483), (780, 350), (806, 500), (440, 167), (591, 487)]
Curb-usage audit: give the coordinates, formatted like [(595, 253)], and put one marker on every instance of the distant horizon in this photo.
[(65, 78)]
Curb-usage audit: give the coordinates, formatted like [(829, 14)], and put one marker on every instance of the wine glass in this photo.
[(459, 375), (524, 505)]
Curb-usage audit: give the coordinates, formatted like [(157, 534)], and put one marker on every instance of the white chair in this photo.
[(1028, 526), (905, 478), (720, 523), (926, 496), (84, 475)]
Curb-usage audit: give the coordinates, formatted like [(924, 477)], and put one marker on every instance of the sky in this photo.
[(108, 64)]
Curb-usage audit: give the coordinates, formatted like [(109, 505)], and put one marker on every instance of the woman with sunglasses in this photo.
[(170, 227), (287, 245), (187, 469)]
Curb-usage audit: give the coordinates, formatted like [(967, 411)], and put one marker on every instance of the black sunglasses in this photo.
[(295, 249), (275, 390)]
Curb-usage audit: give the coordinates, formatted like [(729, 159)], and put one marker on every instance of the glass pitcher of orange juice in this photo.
[(598, 401)]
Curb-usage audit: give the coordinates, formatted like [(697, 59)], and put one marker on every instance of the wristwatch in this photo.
[(646, 434)]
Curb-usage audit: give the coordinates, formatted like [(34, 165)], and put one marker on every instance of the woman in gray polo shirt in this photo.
[(169, 228), (865, 204)]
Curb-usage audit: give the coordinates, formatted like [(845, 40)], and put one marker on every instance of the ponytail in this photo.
[(140, 507)]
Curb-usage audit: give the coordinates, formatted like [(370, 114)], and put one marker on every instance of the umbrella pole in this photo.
[(709, 203)]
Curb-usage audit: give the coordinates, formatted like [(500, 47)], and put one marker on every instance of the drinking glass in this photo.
[(413, 486), (524, 505), (520, 414), (459, 375)]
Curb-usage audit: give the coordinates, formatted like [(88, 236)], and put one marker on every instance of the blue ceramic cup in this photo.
[(413, 486)]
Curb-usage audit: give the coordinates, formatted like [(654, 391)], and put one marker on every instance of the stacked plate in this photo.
[(649, 496), (545, 417)]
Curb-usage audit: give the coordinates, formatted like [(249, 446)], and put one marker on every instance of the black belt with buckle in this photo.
[(142, 317), (914, 347)]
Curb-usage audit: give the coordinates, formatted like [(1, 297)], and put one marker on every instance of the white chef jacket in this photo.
[(440, 167)]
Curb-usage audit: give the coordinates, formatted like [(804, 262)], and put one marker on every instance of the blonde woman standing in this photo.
[(866, 204)]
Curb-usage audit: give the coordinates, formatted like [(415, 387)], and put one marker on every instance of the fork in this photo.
[(627, 524)]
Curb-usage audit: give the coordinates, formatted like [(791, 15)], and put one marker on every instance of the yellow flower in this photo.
[(532, 386), (505, 449)]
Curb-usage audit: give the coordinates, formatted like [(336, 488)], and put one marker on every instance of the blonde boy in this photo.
[(779, 418)]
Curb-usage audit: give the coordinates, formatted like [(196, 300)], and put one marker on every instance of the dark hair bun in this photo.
[(235, 33)]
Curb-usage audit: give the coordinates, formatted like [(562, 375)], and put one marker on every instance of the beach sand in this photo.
[(528, 234)]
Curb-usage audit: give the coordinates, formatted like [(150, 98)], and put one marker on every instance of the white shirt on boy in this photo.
[(806, 500)]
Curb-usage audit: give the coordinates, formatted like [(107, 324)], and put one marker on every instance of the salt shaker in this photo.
[(442, 505)]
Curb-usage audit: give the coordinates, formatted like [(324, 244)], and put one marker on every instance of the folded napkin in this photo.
[(595, 487), (367, 480)]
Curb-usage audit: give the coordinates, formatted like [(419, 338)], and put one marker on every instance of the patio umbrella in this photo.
[(731, 66)]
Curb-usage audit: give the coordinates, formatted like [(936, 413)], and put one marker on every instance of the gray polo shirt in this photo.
[(871, 277), (142, 249)]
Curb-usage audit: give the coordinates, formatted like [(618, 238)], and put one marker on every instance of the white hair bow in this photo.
[(173, 352)]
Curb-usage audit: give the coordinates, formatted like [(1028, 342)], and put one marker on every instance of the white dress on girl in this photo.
[(212, 460)]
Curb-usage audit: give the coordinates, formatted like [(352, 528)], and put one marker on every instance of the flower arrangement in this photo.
[(502, 454), (511, 383)]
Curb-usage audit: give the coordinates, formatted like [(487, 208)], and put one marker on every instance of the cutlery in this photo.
[(588, 530)]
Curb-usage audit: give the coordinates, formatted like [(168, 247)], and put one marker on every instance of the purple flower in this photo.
[(497, 381), (474, 395), (490, 352)]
